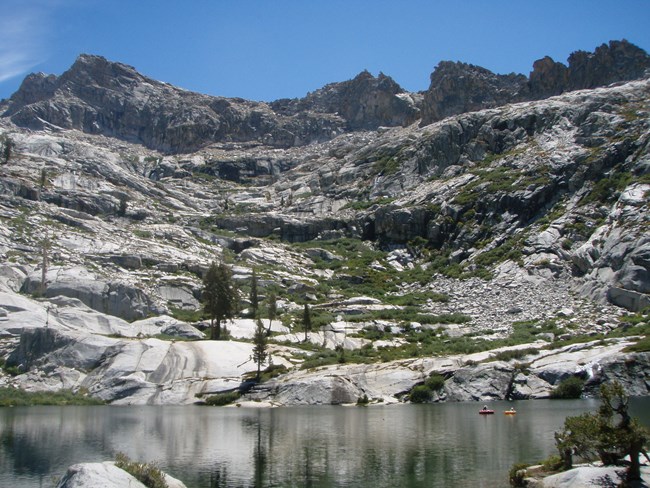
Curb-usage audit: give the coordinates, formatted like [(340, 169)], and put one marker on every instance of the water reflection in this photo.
[(411, 446)]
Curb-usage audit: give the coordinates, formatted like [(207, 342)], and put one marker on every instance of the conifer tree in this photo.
[(272, 310), (253, 297), (610, 434), (260, 345), (306, 320), (219, 297)]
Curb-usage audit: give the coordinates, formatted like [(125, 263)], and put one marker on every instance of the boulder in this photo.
[(586, 477), (91, 475), (106, 475)]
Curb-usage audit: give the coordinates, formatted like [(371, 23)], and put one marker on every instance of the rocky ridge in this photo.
[(529, 217)]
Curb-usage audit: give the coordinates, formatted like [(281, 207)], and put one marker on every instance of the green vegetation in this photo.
[(260, 347), (183, 315), (517, 474), (606, 189), (406, 315), (14, 397), (642, 345), (424, 393), (363, 400), (219, 297), (570, 388), (8, 147), (143, 234), (420, 394), (148, 474), (610, 434), (509, 250), (435, 381), (221, 399), (511, 354)]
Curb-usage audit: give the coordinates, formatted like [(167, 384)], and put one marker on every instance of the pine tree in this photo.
[(596, 434), (272, 310), (306, 320), (260, 345), (219, 297), (253, 297)]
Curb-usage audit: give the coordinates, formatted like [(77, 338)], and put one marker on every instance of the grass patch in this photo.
[(187, 315), (14, 397), (148, 474), (642, 345)]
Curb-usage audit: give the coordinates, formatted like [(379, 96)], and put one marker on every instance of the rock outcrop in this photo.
[(365, 102), (106, 475), (586, 476), (459, 87)]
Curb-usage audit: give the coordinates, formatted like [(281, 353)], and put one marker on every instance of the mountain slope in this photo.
[(523, 225)]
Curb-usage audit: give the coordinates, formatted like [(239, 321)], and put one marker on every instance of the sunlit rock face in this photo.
[(500, 199)]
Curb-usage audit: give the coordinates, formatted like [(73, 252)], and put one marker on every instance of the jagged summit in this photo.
[(98, 96), (459, 87)]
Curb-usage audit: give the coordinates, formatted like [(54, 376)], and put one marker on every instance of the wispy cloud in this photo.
[(22, 39)]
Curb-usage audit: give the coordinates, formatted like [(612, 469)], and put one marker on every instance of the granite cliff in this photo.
[(435, 232)]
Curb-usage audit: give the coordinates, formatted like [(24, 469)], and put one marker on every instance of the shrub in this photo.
[(513, 354), (552, 463), (569, 388), (363, 400), (420, 394), (517, 474), (221, 399), (435, 381), (148, 474)]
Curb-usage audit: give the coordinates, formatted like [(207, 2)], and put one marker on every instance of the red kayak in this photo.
[(486, 412)]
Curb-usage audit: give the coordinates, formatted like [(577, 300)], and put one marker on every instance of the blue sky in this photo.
[(270, 49)]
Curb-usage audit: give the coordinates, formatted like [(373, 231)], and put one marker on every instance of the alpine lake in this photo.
[(432, 445)]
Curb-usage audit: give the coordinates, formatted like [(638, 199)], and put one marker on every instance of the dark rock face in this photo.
[(113, 99), (609, 63), (101, 97), (365, 102), (548, 78), (459, 87)]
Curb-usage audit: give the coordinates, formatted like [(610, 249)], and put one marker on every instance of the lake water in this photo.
[(443, 445)]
